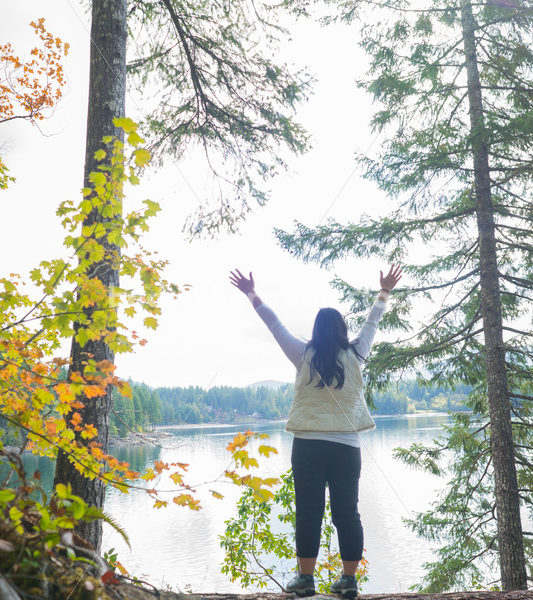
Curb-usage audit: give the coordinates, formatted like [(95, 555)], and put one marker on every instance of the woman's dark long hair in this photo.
[(330, 336)]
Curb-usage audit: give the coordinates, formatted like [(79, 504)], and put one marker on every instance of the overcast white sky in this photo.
[(210, 335)]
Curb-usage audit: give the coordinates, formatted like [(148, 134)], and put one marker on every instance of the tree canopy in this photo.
[(220, 88)]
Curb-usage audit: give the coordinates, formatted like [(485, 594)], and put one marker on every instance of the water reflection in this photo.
[(137, 456)]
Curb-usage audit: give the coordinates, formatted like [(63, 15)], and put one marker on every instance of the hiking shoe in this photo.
[(346, 586), (301, 585)]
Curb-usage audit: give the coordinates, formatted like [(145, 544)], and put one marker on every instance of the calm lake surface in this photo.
[(180, 548)]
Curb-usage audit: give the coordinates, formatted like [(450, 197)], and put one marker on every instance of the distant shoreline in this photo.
[(257, 422), (215, 424)]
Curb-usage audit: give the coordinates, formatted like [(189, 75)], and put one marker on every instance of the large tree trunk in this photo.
[(510, 540), (107, 87)]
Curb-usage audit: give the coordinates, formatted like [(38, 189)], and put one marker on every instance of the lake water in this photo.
[(177, 547)]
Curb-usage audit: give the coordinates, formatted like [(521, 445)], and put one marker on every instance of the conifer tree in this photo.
[(454, 84)]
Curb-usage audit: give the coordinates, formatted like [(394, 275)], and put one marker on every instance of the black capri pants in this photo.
[(315, 463)]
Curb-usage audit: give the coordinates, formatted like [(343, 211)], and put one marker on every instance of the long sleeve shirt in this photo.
[(294, 350)]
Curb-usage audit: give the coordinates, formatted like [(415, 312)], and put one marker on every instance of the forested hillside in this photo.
[(408, 397), (222, 404), (193, 404)]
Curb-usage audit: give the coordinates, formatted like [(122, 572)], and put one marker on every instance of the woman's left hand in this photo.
[(389, 281)]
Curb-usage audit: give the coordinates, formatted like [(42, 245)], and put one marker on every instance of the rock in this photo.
[(6, 591)]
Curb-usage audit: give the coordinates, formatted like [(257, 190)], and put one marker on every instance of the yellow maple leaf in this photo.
[(177, 478)]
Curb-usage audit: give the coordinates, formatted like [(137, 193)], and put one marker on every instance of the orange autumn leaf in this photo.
[(51, 426), (89, 432), (8, 371), (186, 500), (239, 441), (160, 466), (93, 391), (34, 84), (40, 369), (125, 389), (97, 453), (109, 578), (76, 419), (65, 393)]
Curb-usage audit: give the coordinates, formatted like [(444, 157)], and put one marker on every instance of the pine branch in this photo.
[(522, 396), (442, 285), (472, 489), (443, 345), (527, 232), (504, 19), (515, 295), (514, 245), (513, 88), (441, 317), (140, 62), (518, 331), (523, 461), (200, 95), (519, 281), (477, 528)]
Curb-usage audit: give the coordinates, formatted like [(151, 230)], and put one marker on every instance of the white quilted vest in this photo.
[(329, 409)]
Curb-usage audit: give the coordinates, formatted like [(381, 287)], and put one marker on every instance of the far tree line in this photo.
[(224, 404)]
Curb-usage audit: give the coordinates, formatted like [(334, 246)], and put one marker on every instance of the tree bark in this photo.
[(107, 85), (510, 539)]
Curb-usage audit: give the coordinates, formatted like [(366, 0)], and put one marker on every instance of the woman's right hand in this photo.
[(389, 281), (246, 286)]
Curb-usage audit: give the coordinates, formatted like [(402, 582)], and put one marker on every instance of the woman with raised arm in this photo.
[(328, 412)]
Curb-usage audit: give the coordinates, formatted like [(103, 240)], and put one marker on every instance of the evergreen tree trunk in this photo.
[(107, 84), (510, 540)]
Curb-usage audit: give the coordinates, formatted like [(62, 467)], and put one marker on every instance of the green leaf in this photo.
[(15, 514), (78, 510), (150, 322), (6, 495), (98, 178), (125, 123), (82, 336), (134, 139), (141, 157), (152, 208), (61, 490)]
